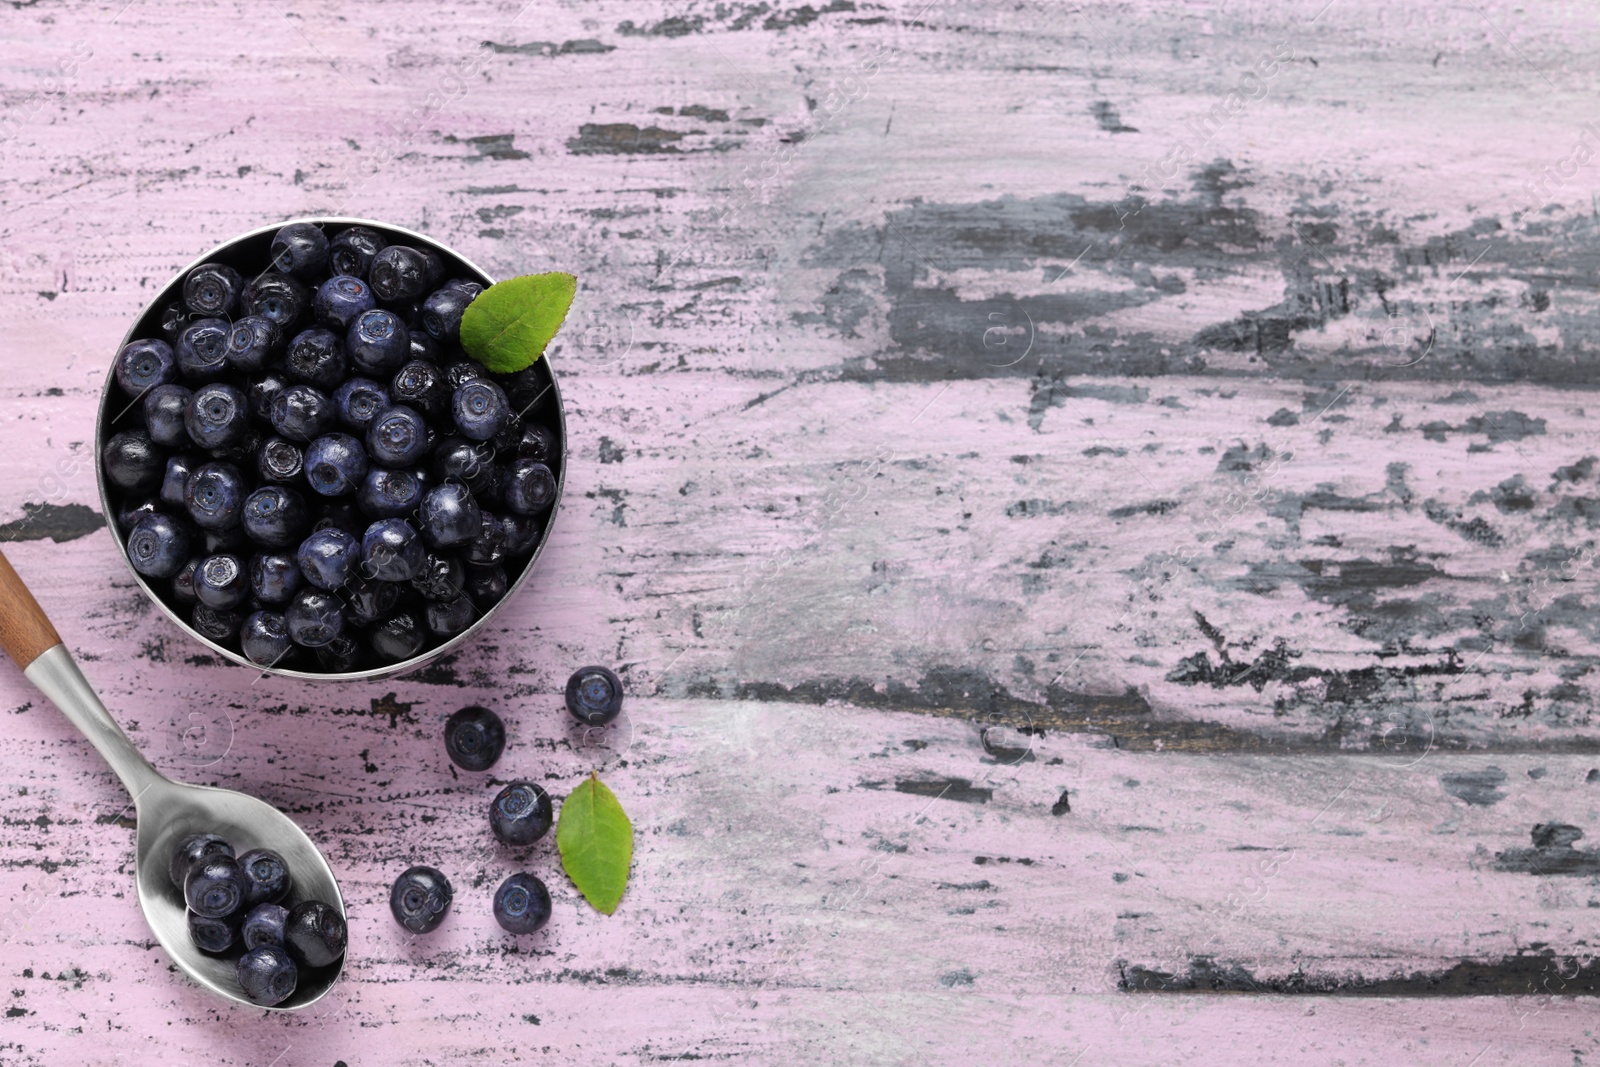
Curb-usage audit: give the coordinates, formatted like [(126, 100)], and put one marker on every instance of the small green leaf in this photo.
[(596, 843), (508, 325)]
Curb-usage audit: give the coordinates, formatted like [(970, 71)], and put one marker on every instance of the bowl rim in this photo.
[(101, 424)]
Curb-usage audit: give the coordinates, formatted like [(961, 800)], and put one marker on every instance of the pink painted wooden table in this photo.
[(1095, 507)]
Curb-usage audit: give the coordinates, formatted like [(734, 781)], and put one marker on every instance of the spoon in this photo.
[(167, 811)]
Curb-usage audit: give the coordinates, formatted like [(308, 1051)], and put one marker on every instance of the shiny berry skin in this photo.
[(446, 618), (220, 582), (480, 409), (129, 517), (218, 626), (301, 412), (192, 848), (462, 371), (351, 251), (277, 298), (474, 737), (521, 533), (486, 586), (328, 558), (263, 925), (314, 618), (275, 578), (263, 390), (267, 875), (317, 358), (164, 408), (424, 348), (336, 464), (421, 386), (218, 416), (379, 342), (369, 599), (520, 814), (398, 274), (471, 462), (202, 350), (212, 290), (183, 583), (314, 934), (143, 365), (158, 546), (528, 487), (276, 516), (176, 477), (279, 460), (264, 638), (300, 249), (340, 300), (440, 577), (398, 437), (489, 547), (340, 656), (215, 496), (359, 401), (398, 638), (521, 904), (449, 515), (442, 311), (267, 974), (420, 899), (173, 318), (537, 443), (594, 695), (213, 935), (133, 463), (214, 886), (391, 551), (250, 343), (390, 494)]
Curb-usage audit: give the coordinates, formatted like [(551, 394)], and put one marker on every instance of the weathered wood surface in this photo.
[(1071, 534)]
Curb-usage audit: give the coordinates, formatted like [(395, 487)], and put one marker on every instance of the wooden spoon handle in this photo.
[(25, 630)]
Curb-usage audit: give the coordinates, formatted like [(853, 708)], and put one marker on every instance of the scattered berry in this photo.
[(474, 737), (420, 899), (594, 695), (521, 904), (521, 814)]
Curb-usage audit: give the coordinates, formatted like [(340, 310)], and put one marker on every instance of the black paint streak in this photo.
[(959, 789), (1552, 853), (1106, 116), (586, 46), (491, 146), (1063, 804), (1480, 788), (1522, 975), (623, 139), (58, 522)]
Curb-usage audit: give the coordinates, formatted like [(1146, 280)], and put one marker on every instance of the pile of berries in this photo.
[(235, 909), (313, 471)]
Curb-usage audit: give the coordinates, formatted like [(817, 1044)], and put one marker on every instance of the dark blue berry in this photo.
[(442, 311), (399, 273), (218, 626), (398, 437), (351, 251), (314, 933), (263, 390), (218, 416), (474, 737), (279, 460), (314, 618), (183, 583), (164, 408), (594, 695), (220, 582), (391, 551), (480, 409), (420, 899), (215, 496), (214, 886), (471, 462), (336, 464), (424, 348), (267, 875), (328, 558), (277, 298), (369, 599), (486, 586), (172, 319), (202, 350), (316, 357), (129, 517), (264, 638), (528, 487), (301, 412), (440, 577), (192, 848), (275, 577), (359, 401), (267, 975), (489, 547), (212, 290), (177, 476), (449, 515), (521, 904), (340, 300), (390, 494), (158, 546), (213, 935), (340, 656), (300, 249), (446, 618), (250, 343), (421, 386), (462, 371), (521, 533), (398, 638), (379, 342), (143, 365), (276, 516), (133, 463), (520, 814), (537, 443), (263, 925)]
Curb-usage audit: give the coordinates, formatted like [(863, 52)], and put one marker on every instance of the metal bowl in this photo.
[(248, 254)]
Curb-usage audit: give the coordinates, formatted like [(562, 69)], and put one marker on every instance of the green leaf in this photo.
[(596, 843), (508, 325)]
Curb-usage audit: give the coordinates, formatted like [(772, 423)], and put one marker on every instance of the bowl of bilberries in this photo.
[(332, 448)]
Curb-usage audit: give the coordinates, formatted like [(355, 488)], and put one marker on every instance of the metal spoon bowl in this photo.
[(168, 811)]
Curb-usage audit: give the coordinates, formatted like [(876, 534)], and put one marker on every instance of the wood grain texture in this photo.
[(25, 630), (1095, 507)]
